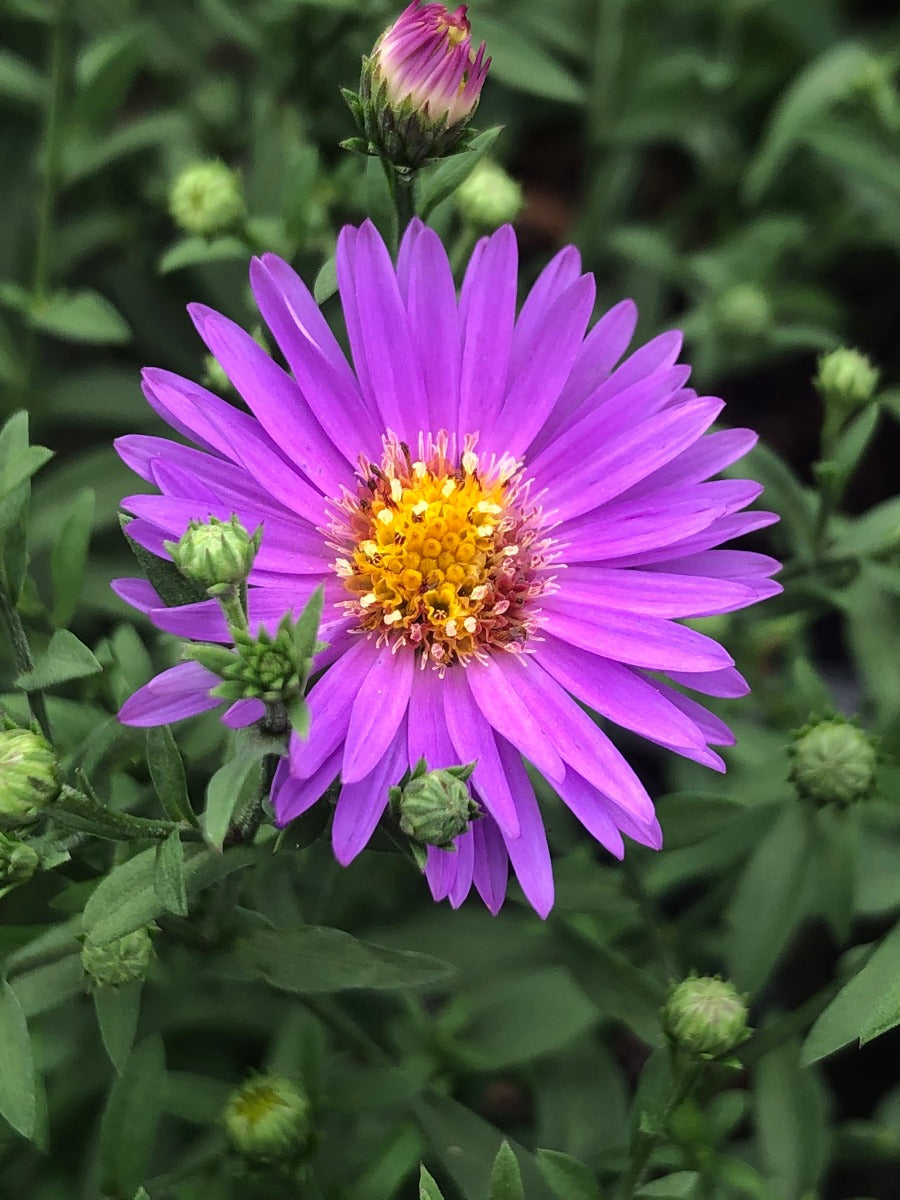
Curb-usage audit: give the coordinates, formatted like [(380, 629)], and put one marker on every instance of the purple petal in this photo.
[(291, 797), (493, 684), (180, 692), (491, 863), (704, 459), (488, 309), (275, 400), (380, 705), (590, 807), (652, 593), (465, 866), (136, 592), (362, 802), (474, 742), (330, 702), (728, 684), (243, 713), (619, 533), (529, 853), (723, 529), (560, 272), (540, 379), (725, 564), (428, 735), (637, 640), (617, 692), (434, 325), (440, 871)]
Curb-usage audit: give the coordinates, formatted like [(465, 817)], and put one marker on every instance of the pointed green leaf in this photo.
[(68, 558), (167, 772), (82, 316), (326, 283), (315, 960), (198, 251), (17, 470), (300, 717), (173, 588), (130, 1120), (680, 1186), (17, 1091), (569, 1178), (506, 1178), (428, 1189), (118, 1009), (65, 658), (169, 877), (307, 627), (228, 787)]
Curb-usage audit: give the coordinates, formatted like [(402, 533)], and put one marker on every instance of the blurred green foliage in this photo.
[(735, 166)]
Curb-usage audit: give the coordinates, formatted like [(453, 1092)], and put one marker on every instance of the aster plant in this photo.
[(507, 520)]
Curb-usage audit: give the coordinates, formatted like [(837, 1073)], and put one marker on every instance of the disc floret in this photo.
[(442, 554)]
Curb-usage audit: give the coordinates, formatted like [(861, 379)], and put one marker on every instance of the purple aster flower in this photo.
[(507, 524), (425, 59)]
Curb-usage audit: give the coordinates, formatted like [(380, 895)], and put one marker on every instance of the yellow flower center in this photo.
[(440, 554)]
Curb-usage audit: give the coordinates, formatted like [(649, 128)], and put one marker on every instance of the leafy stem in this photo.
[(24, 662)]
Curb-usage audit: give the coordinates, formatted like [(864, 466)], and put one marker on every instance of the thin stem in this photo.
[(24, 662), (51, 153), (234, 606), (686, 1075), (404, 194)]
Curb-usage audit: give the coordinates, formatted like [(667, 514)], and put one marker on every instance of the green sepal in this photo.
[(215, 658), (300, 717)]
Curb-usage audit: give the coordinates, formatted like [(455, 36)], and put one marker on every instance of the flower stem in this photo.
[(403, 192), (685, 1075), (24, 662)]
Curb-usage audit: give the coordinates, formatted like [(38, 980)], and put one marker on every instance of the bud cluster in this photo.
[(706, 1017), (833, 762), (434, 807), (123, 960), (29, 776), (420, 86)]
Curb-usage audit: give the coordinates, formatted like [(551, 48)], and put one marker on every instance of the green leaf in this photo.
[(307, 627), (168, 878), (198, 251), (17, 470), (790, 1123), (520, 1018), (519, 63), (853, 443), (64, 659), (326, 283), (17, 1090), (118, 1009), (127, 898), (82, 316), (379, 202), (506, 1178), (671, 1187), (654, 1091), (859, 1009), (816, 88), (625, 992), (227, 787), (130, 1120), (315, 960), (428, 1189), (766, 905), (19, 80), (569, 1178), (167, 773), (68, 558), (442, 181), (14, 506)]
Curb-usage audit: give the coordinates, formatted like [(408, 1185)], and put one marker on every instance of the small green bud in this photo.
[(705, 1016), (206, 199), (18, 862), (216, 554), (269, 1120), (214, 375), (744, 309), (833, 762), (29, 776), (489, 197), (435, 806), (120, 961), (846, 380)]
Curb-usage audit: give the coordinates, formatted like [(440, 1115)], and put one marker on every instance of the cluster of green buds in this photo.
[(123, 960), (434, 807), (419, 88), (833, 761), (268, 1122), (217, 555), (705, 1017), (206, 199), (29, 777), (18, 862)]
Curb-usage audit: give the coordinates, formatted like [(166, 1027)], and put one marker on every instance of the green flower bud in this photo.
[(18, 862), (269, 1120), (833, 762), (705, 1016), (216, 554), (489, 197), (206, 199), (745, 310), (435, 806), (120, 961), (846, 380), (29, 776)]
